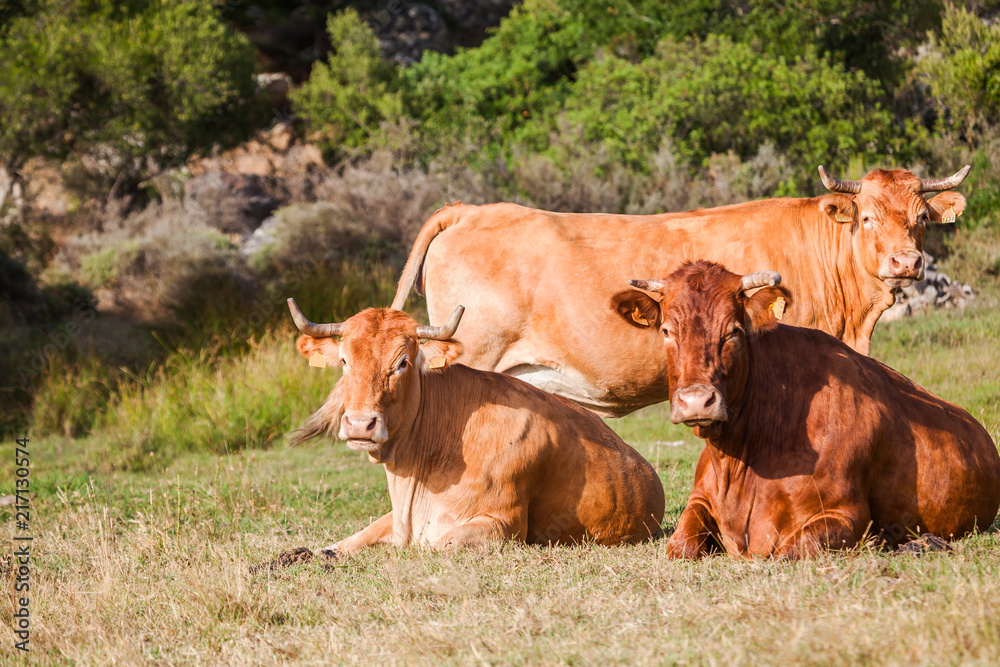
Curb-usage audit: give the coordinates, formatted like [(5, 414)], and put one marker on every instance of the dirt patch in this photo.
[(297, 556), (927, 543)]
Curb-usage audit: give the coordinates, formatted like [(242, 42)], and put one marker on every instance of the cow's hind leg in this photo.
[(379, 531), (477, 531)]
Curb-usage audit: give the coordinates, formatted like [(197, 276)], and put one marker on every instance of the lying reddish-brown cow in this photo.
[(537, 283), (471, 455), (808, 443)]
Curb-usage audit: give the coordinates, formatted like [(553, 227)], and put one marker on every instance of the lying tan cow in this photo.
[(469, 455), (809, 444), (537, 283)]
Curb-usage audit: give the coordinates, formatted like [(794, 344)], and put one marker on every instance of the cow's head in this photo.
[(708, 321), (888, 216), (383, 360)]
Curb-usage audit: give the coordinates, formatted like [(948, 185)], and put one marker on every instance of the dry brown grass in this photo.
[(137, 570)]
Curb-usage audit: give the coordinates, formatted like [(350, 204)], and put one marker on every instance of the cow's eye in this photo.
[(401, 366), (343, 362), (922, 219), (667, 333)]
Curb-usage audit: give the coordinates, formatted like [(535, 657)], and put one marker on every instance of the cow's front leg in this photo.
[(378, 532), (477, 531), (831, 531), (695, 532)]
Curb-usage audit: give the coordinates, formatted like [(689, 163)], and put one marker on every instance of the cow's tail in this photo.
[(442, 219)]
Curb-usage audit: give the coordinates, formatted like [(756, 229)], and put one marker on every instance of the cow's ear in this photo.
[(946, 207), (439, 353), (637, 308), (327, 347), (838, 207), (765, 309)]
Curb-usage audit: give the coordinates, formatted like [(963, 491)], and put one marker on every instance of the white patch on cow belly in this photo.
[(558, 383)]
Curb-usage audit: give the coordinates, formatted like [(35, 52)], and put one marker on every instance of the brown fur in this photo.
[(821, 445)]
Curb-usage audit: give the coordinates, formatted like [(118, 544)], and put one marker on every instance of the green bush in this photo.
[(347, 97), (71, 397), (717, 95), (125, 84), (201, 402), (963, 71)]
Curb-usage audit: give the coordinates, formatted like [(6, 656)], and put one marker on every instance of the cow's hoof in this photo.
[(927, 543), (285, 559)]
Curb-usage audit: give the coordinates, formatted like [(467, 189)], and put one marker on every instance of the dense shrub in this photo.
[(963, 71), (347, 97), (717, 96), (123, 86)]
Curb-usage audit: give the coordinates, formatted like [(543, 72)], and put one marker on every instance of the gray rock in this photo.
[(936, 290), (262, 237)]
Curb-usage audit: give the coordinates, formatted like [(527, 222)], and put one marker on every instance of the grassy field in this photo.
[(150, 565)]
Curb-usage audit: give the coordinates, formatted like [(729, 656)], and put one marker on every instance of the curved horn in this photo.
[(833, 185), (647, 285), (936, 184), (311, 328), (441, 333), (760, 279)]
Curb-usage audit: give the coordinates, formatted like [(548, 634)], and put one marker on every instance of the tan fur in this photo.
[(473, 456), (537, 284)]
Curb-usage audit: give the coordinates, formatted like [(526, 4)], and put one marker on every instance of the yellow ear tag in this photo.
[(779, 307), (840, 217), (317, 360), (949, 215), (638, 318), (439, 362)]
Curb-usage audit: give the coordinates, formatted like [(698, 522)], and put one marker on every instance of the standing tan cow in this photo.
[(470, 455), (538, 283), (808, 444)]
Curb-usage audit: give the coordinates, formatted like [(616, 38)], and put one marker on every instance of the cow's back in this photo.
[(916, 459), (538, 287), (579, 479)]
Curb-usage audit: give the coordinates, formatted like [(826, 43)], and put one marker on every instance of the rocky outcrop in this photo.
[(406, 29)]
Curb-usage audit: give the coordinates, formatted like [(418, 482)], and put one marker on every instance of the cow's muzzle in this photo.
[(902, 268), (363, 430), (697, 405)]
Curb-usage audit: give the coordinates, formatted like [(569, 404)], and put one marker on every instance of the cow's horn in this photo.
[(936, 184), (311, 328), (441, 333), (647, 285), (761, 279), (833, 185)]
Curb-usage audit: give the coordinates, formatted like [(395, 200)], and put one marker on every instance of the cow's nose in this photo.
[(697, 403), (358, 425), (906, 264)]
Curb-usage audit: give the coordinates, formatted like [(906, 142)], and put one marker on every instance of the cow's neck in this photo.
[(754, 425), (864, 297), (420, 454)]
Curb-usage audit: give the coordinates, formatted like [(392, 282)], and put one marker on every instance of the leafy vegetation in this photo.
[(963, 71), (123, 84), (625, 105)]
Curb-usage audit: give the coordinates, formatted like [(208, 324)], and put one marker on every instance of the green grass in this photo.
[(149, 564)]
